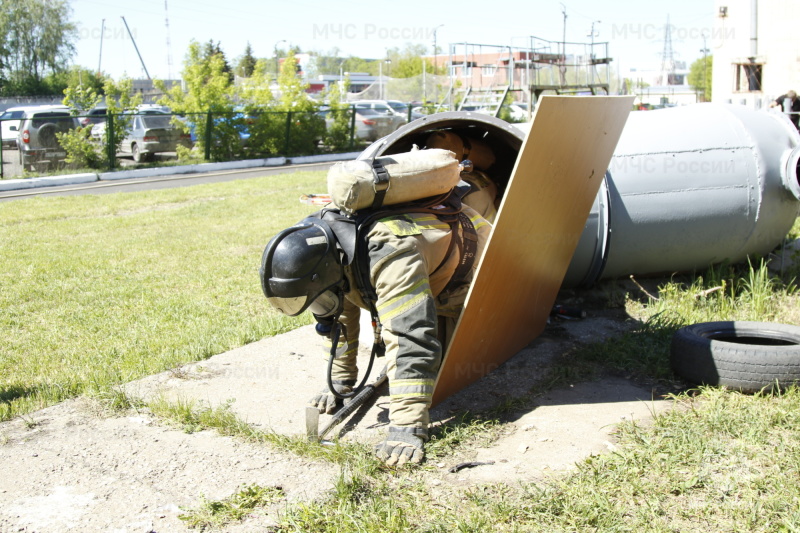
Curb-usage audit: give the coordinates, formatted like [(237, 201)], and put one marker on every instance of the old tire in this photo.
[(46, 135), (746, 356)]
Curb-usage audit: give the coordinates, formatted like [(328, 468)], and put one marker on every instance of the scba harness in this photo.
[(352, 235)]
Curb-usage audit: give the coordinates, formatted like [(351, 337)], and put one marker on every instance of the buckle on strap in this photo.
[(467, 249), (380, 183)]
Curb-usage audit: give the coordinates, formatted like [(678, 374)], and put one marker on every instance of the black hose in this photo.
[(337, 331)]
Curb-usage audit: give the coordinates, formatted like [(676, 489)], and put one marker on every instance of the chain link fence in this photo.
[(59, 143)]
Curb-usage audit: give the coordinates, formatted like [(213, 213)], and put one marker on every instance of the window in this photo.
[(747, 77), (488, 70)]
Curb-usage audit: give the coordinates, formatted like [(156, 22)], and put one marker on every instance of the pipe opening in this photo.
[(490, 143), (791, 173)]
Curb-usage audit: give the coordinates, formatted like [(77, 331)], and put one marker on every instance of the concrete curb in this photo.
[(325, 158), (49, 181), (200, 168), (193, 169)]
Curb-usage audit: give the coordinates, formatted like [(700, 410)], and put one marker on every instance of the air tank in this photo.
[(687, 187)]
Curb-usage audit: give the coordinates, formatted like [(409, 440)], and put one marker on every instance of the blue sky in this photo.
[(634, 29)]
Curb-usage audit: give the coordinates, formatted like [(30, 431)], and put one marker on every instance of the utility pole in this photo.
[(564, 33), (102, 32), (169, 45), (563, 68), (592, 34), (435, 62), (705, 68)]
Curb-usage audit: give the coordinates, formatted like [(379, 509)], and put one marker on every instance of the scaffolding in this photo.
[(481, 76)]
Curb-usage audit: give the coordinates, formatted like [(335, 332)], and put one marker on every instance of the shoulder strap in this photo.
[(380, 183), (468, 249)]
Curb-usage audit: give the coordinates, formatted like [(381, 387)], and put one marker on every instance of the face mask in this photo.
[(328, 303)]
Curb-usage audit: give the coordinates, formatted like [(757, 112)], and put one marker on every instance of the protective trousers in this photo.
[(411, 262)]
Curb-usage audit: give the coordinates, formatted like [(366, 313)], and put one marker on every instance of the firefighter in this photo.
[(412, 261)]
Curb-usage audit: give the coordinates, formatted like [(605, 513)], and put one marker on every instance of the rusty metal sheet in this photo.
[(555, 180)]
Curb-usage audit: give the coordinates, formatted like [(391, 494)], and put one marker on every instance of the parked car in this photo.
[(94, 116), (401, 109), (367, 124), (10, 125), (151, 132), (39, 148), (518, 111), (381, 107)]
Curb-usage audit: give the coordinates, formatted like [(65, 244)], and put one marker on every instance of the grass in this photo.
[(215, 514), (101, 290)]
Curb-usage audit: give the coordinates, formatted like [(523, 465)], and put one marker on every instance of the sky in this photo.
[(634, 29)]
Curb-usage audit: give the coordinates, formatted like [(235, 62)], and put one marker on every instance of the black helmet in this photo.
[(299, 265)]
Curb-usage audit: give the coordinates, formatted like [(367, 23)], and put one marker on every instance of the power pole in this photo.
[(563, 68), (100, 58), (705, 69), (169, 46)]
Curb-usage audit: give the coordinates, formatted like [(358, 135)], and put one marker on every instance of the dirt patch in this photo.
[(68, 468)]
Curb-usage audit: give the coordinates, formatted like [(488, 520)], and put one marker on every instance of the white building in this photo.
[(756, 48)]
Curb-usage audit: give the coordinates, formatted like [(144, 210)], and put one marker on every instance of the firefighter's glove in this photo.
[(326, 402), (400, 448)]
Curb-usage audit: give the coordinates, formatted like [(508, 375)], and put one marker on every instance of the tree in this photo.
[(82, 150), (337, 136), (247, 63), (408, 62), (209, 94), (36, 38), (305, 127), (212, 49), (700, 76), (58, 82)]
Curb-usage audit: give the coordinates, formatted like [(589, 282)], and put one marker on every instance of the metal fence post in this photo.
[(111, 142), (288, 132), (2, 176), (209, 128), (352, 127)]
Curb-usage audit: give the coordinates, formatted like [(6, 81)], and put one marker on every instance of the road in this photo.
[(157, 182)]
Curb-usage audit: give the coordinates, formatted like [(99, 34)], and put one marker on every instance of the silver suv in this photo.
[(38, 144)]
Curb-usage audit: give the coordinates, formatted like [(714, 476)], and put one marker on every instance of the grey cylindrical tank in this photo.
[(687, 187), (692, 186)]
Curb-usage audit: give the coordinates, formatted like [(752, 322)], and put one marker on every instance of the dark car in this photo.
[(94, 116)]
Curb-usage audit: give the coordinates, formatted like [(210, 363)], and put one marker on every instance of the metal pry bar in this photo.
[(312, 419)]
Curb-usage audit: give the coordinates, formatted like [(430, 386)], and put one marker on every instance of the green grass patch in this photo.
[(214, 514), (99, 290), (192, 416)]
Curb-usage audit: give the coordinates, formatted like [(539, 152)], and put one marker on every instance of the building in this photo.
[(756, 48)]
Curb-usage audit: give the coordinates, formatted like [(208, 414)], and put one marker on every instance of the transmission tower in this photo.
[(667, 59), (169, 46)]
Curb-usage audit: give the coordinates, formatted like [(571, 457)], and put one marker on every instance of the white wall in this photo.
[(778, 48)]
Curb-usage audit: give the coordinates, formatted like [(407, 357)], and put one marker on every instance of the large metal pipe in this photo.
[(687, 187)]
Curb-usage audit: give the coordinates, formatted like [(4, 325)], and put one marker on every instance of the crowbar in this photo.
[(315, 434)]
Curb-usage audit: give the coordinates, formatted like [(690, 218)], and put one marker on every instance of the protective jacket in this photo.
[(411, 262)]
